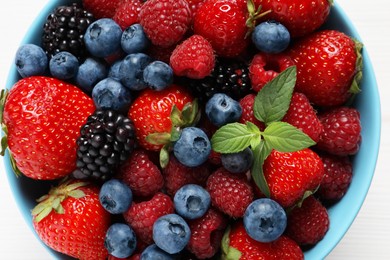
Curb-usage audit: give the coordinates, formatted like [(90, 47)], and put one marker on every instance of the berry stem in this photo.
[(4, 141)]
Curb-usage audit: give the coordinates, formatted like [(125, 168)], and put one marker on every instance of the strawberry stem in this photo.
[(4, 140), (253, 16)]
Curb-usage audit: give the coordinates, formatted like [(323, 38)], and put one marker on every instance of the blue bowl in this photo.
[(342, 214)]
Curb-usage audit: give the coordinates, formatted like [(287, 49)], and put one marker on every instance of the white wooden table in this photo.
[(368, 236)]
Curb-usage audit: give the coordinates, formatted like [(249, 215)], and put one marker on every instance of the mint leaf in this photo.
[(232, 138), (260, 153), (273, 100), (284, 137), (257, 134)]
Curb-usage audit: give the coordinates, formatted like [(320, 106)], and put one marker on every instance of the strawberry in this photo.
[(237, 244), (43, 117), (342, 131), (328, 66), (309, 223), (142, 215), (300, 17), (207, 233), (102, 8), (290, 175), (151, 113), (193, 58), (165, 21), (230, 193), (194, 5), (141, 174), (264, 67), (303, 116), (71, 220), (126, 14)]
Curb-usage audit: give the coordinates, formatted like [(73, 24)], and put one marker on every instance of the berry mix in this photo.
[(185, 129)]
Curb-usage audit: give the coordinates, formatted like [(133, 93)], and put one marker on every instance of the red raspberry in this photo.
[(141, 174), (165, 21), (247, 115), (177, 175), (127, 12), (302, 115), (141, 216), (309, 223), (230, 193), (101, 8), (265, 67), (207, 233), (337, 178), (194, 5), (193, 58), (342, 129)]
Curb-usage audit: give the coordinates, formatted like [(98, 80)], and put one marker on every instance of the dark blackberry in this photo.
[(229, 76), (107, 139), (64, 30)]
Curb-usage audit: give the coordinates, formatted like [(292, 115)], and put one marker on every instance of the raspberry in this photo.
[(207, 233), (337, 178), (230, 193), (342, 128), (194, 5), (309, 223), (141, 174), (165, 21), (127, 12), (101, 8), (302, 115), (193, 58), (141, 216), (247, 115)]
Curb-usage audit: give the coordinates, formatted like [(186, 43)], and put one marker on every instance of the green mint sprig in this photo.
[(271, 105)]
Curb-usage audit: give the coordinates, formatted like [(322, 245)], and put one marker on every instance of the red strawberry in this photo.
[(327, 62), (342, 131), (301, 17), (309, 223), (141, 174), (264, 67), (247, 115), (237, 244), (102, 8), (71, 220), (290, 175), (126, 14), (194, 5), (142, 215), (177, 175), (230, 193), (337, 178), (207, 233), (165, 21), (151, 111), (223, 24), (43, 117), (193, 58), (303, 116)]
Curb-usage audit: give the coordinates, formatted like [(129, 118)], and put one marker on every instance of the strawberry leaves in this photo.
[(271, 104), (3, 97)]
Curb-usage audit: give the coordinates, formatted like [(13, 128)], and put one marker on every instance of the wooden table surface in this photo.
[(368, 236)]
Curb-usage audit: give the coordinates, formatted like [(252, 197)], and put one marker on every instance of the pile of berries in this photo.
[(186, 129)]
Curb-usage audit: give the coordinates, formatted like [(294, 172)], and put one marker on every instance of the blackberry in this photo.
[(107, 139), (64, 31), (229, 76)]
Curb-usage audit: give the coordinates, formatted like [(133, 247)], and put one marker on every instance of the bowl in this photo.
[(342, 214)]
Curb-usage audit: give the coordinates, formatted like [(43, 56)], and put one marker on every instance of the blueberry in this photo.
[(115, 196), (64, 65), (112, 95), (120, 240), (103, 38), (238, 162), (153, 252), (191, 201), (171, 233), (222, 109), (265, 220), (158, 75), (193, 147), (134, 39), (114, 70), (271, 37), (31, 60), (131, 70), (90, 73)]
